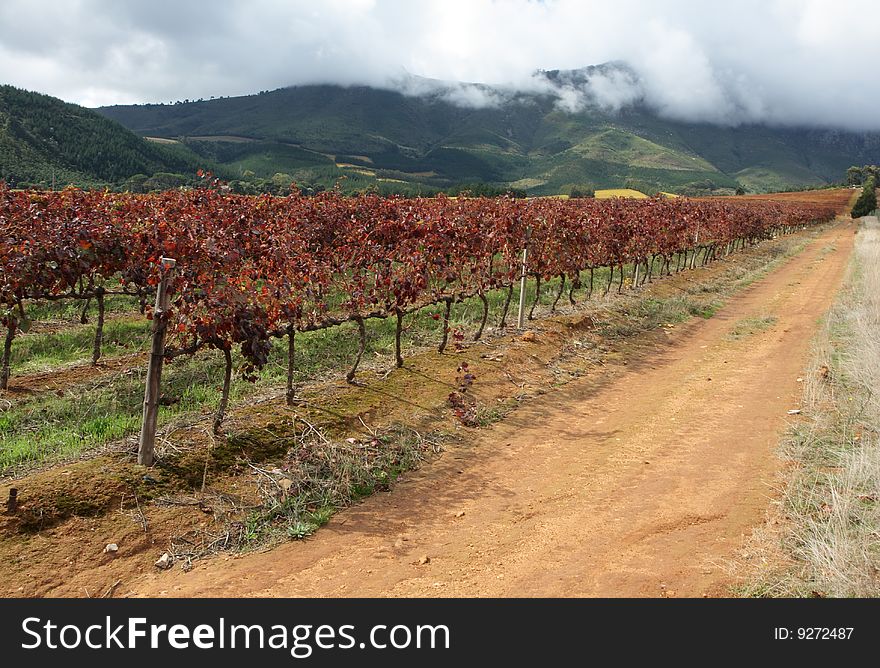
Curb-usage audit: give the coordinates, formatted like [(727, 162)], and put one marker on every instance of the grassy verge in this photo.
[(830, 541), (318, 476)]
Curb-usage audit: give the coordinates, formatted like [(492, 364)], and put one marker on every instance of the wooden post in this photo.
[(11, 326), (154, 369), (521, 319), (12, 501)]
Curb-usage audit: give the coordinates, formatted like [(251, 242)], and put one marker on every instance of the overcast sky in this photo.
[(811, 62)]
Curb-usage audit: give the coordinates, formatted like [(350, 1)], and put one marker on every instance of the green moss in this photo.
[(228, 454)]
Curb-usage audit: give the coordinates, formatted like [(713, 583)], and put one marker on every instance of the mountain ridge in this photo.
[(556, 136), (537, 140)]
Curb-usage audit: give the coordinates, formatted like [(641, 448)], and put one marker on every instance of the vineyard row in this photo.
[(250, 269)]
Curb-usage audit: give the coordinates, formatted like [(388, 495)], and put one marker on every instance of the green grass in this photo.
[(42, 352), (57, 337), (69, 310), (615, 146)]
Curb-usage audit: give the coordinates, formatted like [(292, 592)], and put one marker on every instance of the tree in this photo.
[(854, 176), (136, 183), (165, 181), (867, 201), (281, 183)]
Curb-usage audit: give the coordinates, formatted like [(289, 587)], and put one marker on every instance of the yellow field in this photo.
[(620, 192), (357, 169)]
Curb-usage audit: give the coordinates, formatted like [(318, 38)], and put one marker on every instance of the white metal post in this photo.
[(521, 322)]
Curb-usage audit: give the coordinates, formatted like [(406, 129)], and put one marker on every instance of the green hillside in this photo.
[(367, 138), (380, 138), (41, 136)]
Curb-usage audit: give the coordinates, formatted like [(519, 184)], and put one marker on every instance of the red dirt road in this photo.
[(645, 486)]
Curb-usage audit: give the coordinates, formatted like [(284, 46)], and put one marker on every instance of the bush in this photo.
[(867, 201)]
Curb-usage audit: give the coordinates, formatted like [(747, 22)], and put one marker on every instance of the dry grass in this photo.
[(620, 192), (294, 497), (749, 326), (831, 502)]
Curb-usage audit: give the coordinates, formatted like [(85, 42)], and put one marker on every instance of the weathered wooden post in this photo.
[(521, 319), (12, 501), (154, 368)]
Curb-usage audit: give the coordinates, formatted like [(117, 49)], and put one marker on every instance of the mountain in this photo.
[(42, 138), (438, 133)]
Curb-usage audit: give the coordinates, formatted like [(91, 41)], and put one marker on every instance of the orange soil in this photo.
[(644, 487)]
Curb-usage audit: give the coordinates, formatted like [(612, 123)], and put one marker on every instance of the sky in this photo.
[(783, 62)]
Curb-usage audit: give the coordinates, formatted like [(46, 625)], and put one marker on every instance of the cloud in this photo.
[(791, 62), (462, 94)]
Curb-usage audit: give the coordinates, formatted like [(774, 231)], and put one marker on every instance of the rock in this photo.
[(398, 544), (424, 560), (111, 547), (529, 337), (163, 562), (460, 513)]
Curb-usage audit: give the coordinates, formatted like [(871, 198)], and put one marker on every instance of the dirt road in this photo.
[(646, 486)]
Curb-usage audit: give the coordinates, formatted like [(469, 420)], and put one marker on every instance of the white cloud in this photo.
[(615, 90), (780, 61)]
